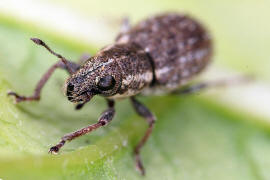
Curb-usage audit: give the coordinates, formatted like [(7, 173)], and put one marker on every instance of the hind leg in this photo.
[(194, 88)]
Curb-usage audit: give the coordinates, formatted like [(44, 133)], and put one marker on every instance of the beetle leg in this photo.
[(150, 118), (214, 84), (104, 119), (42, 82), (63, 64)]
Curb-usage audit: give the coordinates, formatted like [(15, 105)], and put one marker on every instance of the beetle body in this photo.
[(158, 54), (161, 53)]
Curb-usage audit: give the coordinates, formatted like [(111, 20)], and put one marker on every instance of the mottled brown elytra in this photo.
[(158, 55)]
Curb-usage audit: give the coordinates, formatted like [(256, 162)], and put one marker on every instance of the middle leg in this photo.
[(150, 118), (194, 88)]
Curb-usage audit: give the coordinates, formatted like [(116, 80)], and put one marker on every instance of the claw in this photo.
[(18, 98), (139, 165), (54, 150)]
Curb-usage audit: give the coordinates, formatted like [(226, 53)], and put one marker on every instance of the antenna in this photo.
[(63, 59)]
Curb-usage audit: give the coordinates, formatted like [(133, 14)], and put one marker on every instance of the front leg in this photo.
[(36, 95), (71, 67), (150, 118), (104, 119)]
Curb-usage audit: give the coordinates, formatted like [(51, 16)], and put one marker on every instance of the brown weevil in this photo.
[(159, 54)]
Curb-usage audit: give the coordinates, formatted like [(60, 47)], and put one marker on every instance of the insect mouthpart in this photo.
[(82, 98), (69, 92), (74, 96)]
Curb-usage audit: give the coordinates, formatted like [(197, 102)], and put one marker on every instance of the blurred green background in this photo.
[(196, 137)]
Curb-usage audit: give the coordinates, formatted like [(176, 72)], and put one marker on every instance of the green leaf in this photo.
[(195, 137)]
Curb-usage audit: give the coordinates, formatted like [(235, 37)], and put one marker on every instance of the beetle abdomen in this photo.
[(178, 46)]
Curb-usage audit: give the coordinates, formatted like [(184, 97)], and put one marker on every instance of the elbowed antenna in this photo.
[(63, 59)]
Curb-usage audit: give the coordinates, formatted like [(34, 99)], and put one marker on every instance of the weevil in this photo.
[(160, 54)]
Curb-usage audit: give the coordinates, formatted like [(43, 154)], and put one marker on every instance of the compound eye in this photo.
[(106, 83)]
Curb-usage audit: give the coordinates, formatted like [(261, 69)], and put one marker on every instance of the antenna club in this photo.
[(38, 41), (63, 59)]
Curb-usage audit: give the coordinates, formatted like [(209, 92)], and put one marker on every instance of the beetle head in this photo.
[(98, 76)]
